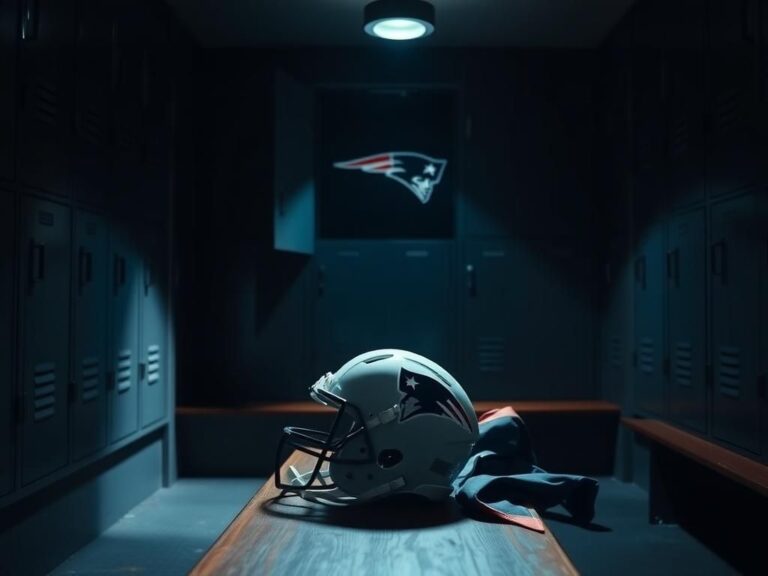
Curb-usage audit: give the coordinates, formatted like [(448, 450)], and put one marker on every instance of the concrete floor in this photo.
[(170, 531)]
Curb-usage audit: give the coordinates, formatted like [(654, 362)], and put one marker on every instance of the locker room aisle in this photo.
[(167, 533), (170, 531)]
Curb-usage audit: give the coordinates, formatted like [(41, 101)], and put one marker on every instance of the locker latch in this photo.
[(142, 370), (111, 380)]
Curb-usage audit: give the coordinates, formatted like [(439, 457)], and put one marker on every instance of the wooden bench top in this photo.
[(523, 407), (739, 468), (295, 537)]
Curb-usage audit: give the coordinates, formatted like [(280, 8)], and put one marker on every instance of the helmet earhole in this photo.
[(390, 457)]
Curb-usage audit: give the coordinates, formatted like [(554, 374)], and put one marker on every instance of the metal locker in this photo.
[(44, 296), (129, 95), (8, 34), (615, 319), (686, 325), (89, 365), (7, 340), (45, 75), (93, 102), (124, 282), (382, 294), (733, 147), (511, 300), (649, 380), (154, 319), (685, 89), (736, 256), (648, 83)]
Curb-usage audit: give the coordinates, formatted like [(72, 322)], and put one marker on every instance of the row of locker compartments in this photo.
[(92, 344), (701, 320)]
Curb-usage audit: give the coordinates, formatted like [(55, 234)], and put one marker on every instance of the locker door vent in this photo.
[(727, 113), (44, 402), (684, 364), (490, 354), (729, 373), (153, 364), (46, 102), (90, 379), (679, 137), (646, 356), (123, 374), (615, 352)]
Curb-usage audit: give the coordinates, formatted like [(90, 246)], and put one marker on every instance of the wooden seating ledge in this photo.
[(741, 469), (523, 407)]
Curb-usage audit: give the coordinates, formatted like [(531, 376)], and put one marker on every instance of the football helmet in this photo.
[(403, 425)]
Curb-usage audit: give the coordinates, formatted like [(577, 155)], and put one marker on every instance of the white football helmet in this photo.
[(404, 426)]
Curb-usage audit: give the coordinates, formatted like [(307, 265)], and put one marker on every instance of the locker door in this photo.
[(686, 297), (89, 354), (91, 142), (124, 281), (379, 294), (8, 35), (7, 341), (733, 157), (45, 67), (615, 316), (649, 323), (154, 352), (129, 85), (44, 293), (686, 103), (736, 256), (516, 320)]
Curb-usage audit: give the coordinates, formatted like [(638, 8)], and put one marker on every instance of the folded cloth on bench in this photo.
[(501, 477)]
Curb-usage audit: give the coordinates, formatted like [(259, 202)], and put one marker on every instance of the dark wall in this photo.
[(506, 302), (683, 130)]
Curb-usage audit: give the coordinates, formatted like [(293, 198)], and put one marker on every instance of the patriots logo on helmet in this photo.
[(424, 395), (417, 172)]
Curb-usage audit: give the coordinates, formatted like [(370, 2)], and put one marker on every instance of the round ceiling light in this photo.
[(399, 19)]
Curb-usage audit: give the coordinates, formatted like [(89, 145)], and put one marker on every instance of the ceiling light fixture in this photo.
[(399, 19)]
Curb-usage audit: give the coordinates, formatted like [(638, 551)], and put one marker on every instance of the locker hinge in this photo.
[(142, 371), (665, 366), (762, 383), (20, 408), (111, 380), (71, 391), (708, 377)]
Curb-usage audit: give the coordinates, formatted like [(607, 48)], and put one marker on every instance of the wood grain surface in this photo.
[(748, 472), (291, 536), (522, 407)]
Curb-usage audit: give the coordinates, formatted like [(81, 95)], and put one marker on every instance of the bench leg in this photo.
[(660, 509)]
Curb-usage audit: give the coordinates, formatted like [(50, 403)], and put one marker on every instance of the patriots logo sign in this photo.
[(424, 395), (417, 172)]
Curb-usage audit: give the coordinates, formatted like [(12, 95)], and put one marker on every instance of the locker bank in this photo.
[(383, 287)]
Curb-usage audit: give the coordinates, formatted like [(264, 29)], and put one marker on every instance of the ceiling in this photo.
[(523, 23)]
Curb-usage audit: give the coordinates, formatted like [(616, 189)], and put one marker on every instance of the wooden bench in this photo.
[(570, 436), (717, 495), (738, 468), (295, 537)]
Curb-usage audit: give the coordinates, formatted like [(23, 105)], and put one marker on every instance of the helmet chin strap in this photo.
[(336, 496)]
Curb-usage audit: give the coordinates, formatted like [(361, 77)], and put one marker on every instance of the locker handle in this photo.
[(29, 20), (718, 260), (471, 281), (149, 277), (640, 271), (118, 272), (673, 266), (36, 262), (85, 272)]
